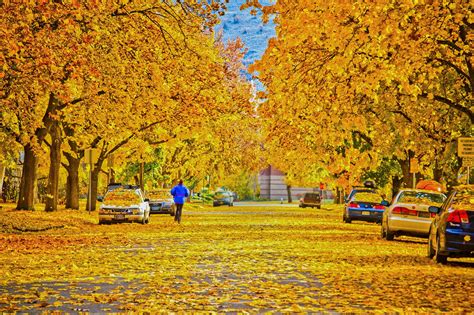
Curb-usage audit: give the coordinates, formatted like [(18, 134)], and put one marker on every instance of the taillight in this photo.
[(400, 210), (404, 211), (458, 216), (353, 205), (380, 207), (433, 214)]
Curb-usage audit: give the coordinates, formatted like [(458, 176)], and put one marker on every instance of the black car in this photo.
[(452, 229)]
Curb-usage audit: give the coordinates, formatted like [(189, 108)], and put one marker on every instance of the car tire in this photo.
[(430, 252), (382, 232), (346, 219), (303, 206), (389, 236), (101, 222), (319, 207), (441, 259)]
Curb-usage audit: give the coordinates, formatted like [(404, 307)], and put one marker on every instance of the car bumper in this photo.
[(160, 209), (121, 217), (310, 204), (365, 215), (220, 203), (411, 225), (459, 243)]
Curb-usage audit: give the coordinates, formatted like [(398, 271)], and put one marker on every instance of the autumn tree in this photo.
[(60, 56), (351, 83)]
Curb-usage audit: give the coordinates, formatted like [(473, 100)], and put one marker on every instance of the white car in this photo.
[(124, 205), (409, 215)]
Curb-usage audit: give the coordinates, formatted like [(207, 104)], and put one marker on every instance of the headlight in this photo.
[(135, 210)]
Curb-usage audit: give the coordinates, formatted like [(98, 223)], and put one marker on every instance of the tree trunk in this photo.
[(288, 190), (2, 176), (141, 176), (55, 165), (72, 181), (396, 184), (26, 200), (339, 196), (94, 182)]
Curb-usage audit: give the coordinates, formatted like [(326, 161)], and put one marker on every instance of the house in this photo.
[(273, 187)]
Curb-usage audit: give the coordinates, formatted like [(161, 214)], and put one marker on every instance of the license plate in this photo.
[(119, 217), (365, 212)]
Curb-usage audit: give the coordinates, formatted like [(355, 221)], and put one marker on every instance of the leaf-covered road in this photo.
[(246, 259)]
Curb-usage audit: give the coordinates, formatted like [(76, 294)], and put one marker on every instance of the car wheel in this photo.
[(346, 219), (303, 206), (382, 232), (431, 252), (101, 222), (389, 236), (319, 207), (442, 259)]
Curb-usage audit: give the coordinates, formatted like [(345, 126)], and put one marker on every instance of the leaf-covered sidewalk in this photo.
[(244, 259)]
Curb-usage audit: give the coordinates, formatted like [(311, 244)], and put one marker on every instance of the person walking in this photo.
[(179, 192)]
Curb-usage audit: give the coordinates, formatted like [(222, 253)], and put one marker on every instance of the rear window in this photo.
[(421, 197), (464, 199), (159, 194), (119, 197), (367, 197), (311, 196)]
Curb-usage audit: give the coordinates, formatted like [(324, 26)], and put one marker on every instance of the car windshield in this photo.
[(120, 197), (418, 197), (367, 197), (159, 194), (464, 199)]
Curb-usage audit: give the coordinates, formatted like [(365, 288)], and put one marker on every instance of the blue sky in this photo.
[(249, 28)]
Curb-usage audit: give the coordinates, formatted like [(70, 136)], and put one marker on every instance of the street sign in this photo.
[(91, 156), (468, 162), (466, 147), (414, 166)]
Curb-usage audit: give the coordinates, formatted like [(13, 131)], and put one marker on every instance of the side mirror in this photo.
[(385, 203), (100, 198), (147, 199), (434, 209)]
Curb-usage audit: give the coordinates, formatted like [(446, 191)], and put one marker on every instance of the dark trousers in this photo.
[(179, 210)]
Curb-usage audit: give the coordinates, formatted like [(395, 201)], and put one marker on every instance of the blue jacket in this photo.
[(179, 192)]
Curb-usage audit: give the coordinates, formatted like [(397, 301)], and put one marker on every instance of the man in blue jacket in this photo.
[(179, 192)]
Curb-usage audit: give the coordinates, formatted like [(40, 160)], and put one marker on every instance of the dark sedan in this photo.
[(452, 229)]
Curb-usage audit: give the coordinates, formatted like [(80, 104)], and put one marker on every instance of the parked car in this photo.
[(161, 201), (452, 230), (124, 205), (310, 199), (408, 214), (364, 205), (223, 198)]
